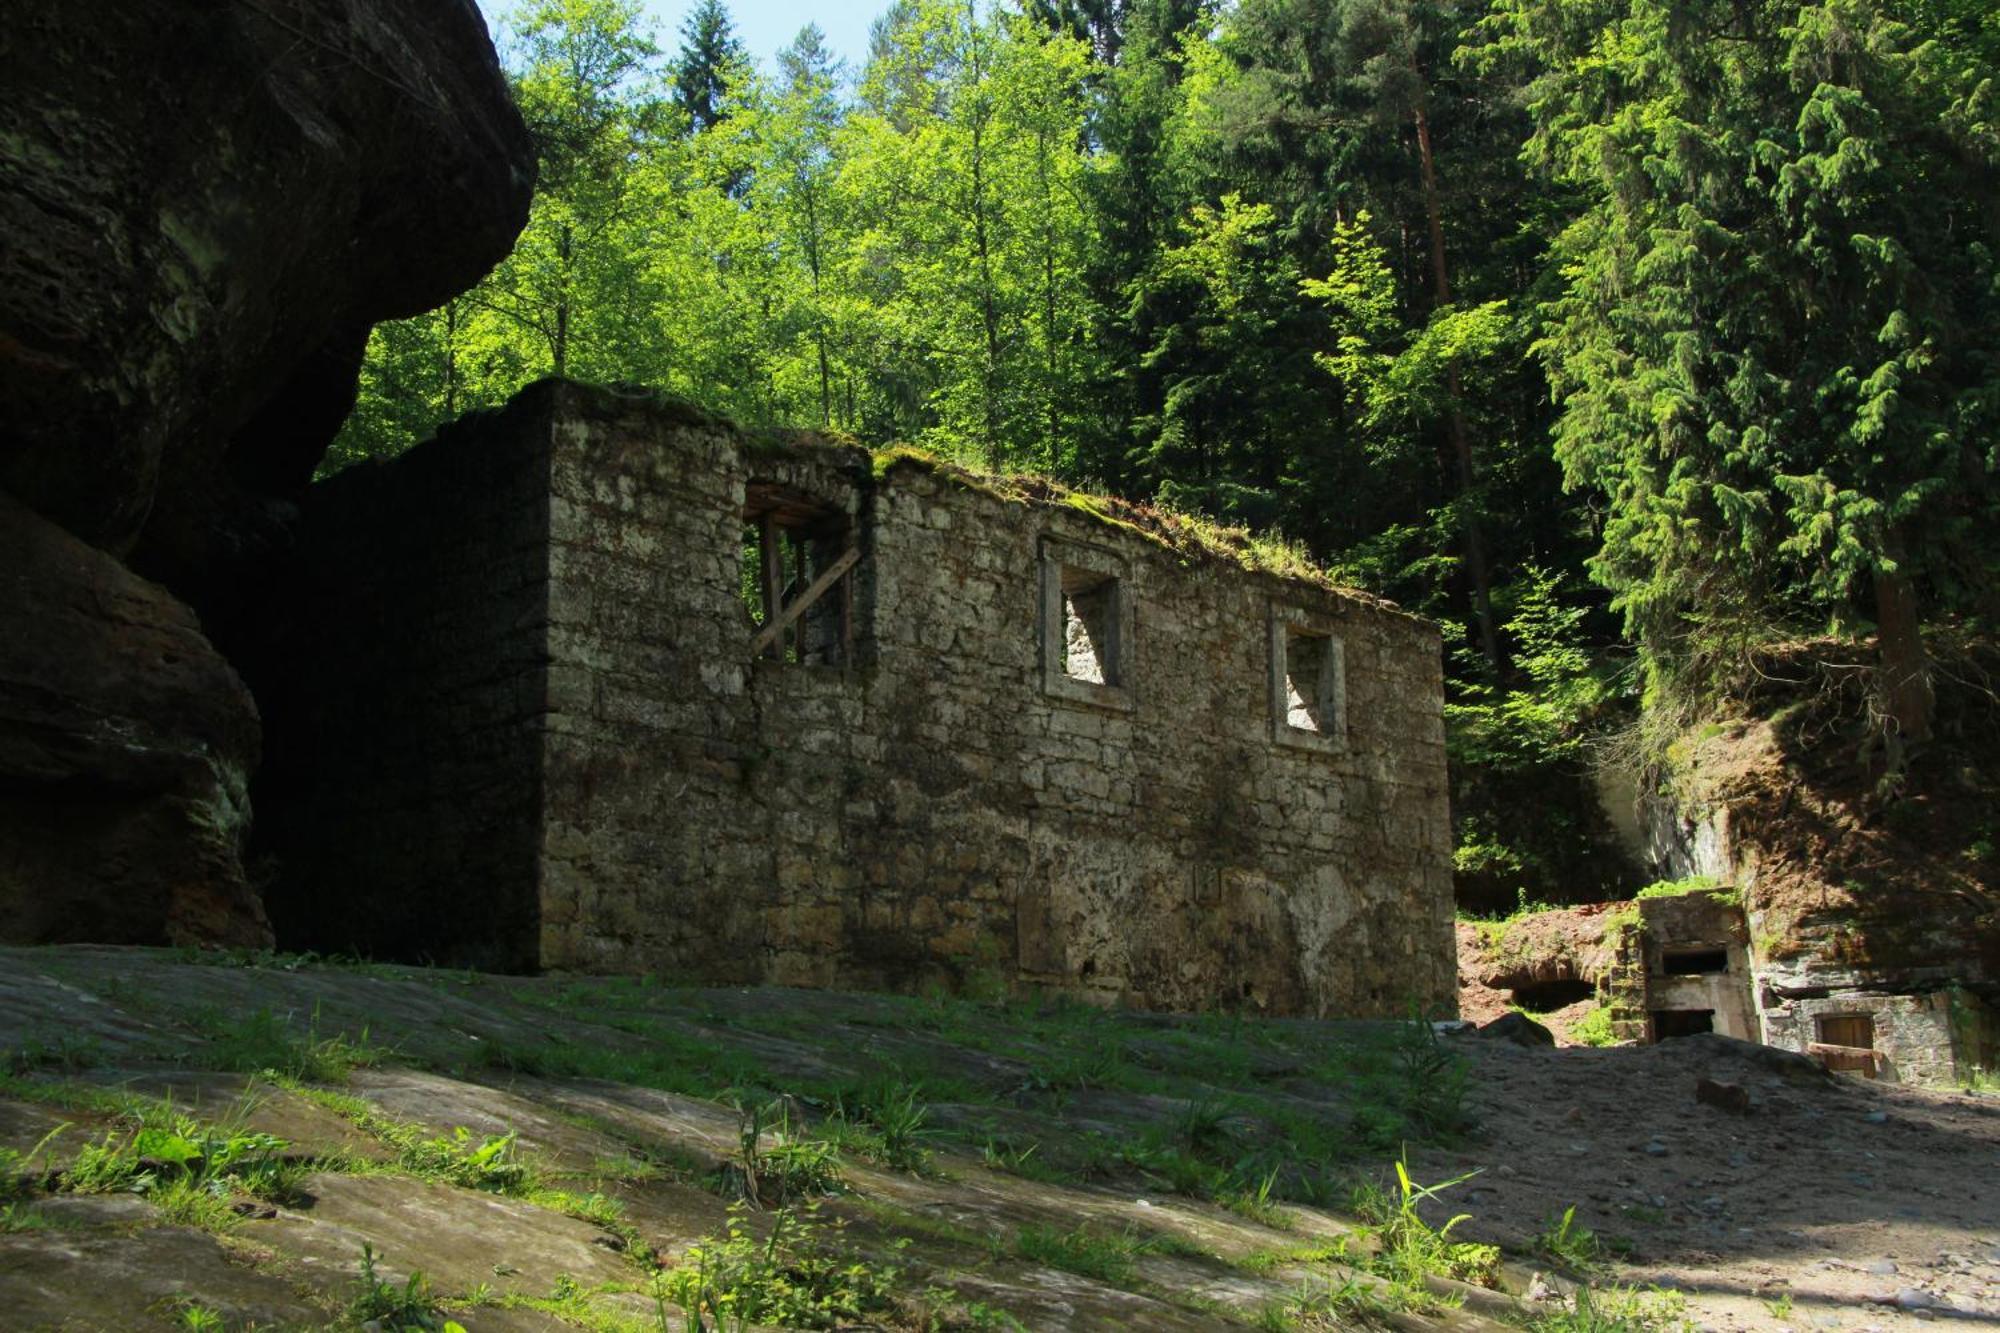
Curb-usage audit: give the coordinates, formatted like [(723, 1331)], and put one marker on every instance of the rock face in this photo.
[(206, 205), (126, 745)]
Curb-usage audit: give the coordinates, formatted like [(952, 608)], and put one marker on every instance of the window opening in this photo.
[(1669, 1023), (1846, 1042), (1086, 636), (1309, 704), (1090, 627), (795, 575), (1695, 962), (1308, 681)]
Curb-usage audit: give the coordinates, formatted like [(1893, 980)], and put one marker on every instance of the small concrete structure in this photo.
[(1682, 967), (600, 683), (1697, 959)]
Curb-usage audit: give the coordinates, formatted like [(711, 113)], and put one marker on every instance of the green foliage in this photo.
[(1105, 1256), (1524, 746), (1411, 1249), (801, 1275), (1562, 1239), (1774, 343), (1594, 1028)]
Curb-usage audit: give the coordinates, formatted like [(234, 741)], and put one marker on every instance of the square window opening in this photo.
[(1090, 627), (1695, 962), (1311, 682), (795, 575)]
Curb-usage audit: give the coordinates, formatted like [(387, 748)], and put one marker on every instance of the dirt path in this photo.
[(1831, 1203)]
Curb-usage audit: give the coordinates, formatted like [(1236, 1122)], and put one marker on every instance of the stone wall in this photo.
[(404, 683), (1239, 799)]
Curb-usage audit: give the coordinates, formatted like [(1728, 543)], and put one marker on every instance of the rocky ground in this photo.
[(233, 1133)]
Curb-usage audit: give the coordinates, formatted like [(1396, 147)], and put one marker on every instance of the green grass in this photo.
[(265, 1040), (1675, 888), (1101, 1255)]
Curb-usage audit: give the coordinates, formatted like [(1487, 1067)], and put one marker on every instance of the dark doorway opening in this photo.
[(1681, 1022), (1542, 997)]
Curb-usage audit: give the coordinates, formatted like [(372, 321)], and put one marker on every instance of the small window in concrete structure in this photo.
[(1846, 1042), (1308, 681), (1681, 1022), (1695, 962), (1086, 625), (796, 577)]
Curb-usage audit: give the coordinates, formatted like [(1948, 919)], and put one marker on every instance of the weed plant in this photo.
[(1413, 1251), (801, 1275), (1575, 1247), (406, 1309), (786, 1168), (1614, 1310), (188, 1170)]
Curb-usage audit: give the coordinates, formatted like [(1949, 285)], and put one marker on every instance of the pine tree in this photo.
[(709, 59)]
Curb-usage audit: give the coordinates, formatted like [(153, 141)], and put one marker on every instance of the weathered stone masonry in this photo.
[(1022, 737)]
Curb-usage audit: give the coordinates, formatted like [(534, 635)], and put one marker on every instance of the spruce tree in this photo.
[(709, 58), (1777, 345)]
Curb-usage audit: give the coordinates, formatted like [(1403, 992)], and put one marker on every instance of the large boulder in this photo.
[(204, 206), (126, 745), (207, 203)]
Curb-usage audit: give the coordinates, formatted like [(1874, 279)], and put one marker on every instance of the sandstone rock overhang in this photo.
[(204, 206), (600, 682)]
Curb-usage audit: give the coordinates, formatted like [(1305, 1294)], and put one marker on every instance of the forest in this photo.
[(1627, 339)]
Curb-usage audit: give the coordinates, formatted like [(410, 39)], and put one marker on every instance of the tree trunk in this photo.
[(1903, 677), (1461, 442)]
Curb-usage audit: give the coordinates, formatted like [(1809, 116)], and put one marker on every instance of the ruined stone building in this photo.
[(599, 683)]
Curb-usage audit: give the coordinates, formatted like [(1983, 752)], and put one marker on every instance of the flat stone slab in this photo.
[(443, 1104), (698, 1132), (459, 1239), (63, 1279), (47, 1137)]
